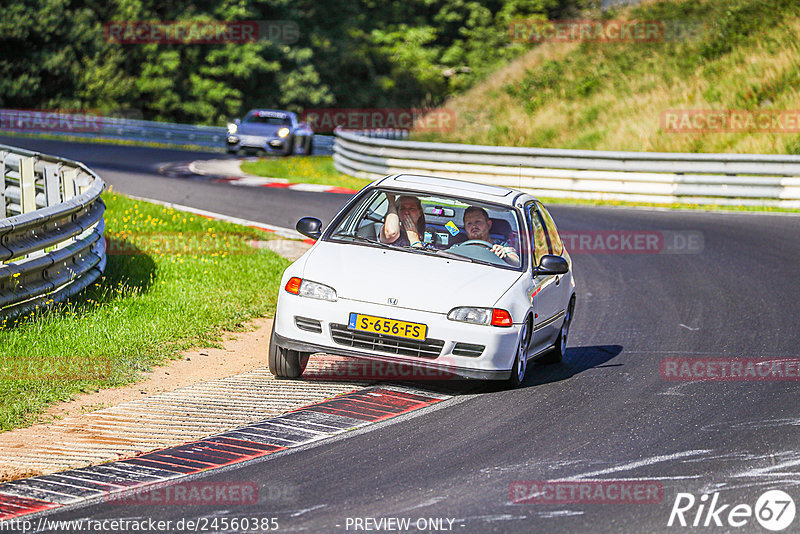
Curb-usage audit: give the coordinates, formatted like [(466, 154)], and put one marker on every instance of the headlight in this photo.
[(312, 290), (485, 316), (471, 315), (283, 132), (232, 128)]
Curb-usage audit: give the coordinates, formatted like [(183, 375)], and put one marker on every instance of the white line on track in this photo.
[(641, 463)]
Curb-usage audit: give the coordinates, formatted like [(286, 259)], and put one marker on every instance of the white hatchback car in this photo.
[(447, 302)]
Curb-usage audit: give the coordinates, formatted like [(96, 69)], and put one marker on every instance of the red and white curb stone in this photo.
[(252, 181), (305, 425)]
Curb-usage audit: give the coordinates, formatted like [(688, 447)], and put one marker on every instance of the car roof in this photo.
[(449, 186)]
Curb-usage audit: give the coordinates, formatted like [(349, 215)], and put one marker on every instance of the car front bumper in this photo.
[(494, 362), (270, 144)]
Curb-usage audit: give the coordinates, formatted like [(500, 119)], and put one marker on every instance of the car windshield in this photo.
[(267, 118), (436, 225)]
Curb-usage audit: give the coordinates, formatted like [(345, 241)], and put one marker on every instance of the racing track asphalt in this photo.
[(604, 414)]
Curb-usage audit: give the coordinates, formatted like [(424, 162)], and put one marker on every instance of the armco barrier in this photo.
[(51, 229), (725, 179), (124, 129)]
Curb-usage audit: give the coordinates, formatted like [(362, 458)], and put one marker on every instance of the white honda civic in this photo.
[(455, 277)]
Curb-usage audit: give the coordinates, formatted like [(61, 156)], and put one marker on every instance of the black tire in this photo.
[(285, 363), (560, 347), (520, 361)]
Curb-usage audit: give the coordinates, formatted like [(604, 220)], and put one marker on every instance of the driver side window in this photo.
[(537, 234)]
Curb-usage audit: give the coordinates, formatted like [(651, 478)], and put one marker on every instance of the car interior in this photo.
[(444, 225)]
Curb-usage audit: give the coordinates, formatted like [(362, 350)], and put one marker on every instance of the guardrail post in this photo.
[(27, 185), (68, 183), (3, 212), (52, 186)]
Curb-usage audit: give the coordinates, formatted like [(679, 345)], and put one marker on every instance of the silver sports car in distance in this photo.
[(271, 131)]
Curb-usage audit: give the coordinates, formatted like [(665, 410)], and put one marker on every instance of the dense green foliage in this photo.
[(720, 55), (349, 53)]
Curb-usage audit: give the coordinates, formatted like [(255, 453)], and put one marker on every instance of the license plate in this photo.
[(252, 140), (389, 327)]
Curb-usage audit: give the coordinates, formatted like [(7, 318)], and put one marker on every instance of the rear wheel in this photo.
[(285, 363), (560, 348), (521, 358)]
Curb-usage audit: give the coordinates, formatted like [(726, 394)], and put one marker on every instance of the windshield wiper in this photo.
[(453, 256), (362, 239)]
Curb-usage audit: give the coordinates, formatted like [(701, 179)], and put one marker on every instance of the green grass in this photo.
[(173, 281), (676, 206), (121, 142), (305, 170)]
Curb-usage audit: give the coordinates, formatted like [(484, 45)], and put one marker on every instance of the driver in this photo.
[(477, 225)]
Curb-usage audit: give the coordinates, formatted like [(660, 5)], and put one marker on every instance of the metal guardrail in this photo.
[(51, 229), (124, 129), (725, 179)]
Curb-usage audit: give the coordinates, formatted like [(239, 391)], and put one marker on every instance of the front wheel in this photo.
[(521, 358), (285, 363)]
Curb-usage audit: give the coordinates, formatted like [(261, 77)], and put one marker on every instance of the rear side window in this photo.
[(552, 232)]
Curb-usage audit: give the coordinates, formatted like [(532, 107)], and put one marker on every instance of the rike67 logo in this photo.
[(774, 510)]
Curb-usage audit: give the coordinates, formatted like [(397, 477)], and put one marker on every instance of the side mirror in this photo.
[(237, 122), (551, 265), (310, 227)]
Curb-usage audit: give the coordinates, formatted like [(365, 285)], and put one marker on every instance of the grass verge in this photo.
[(173, 281), (306, 170), (108, 141), (722, 55), (675, 206)]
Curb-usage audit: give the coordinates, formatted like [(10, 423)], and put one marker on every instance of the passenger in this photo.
[(477, 225), (404, 224)]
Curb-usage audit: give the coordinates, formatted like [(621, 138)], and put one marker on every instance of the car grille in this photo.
[(430, 348), (466, 349)]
